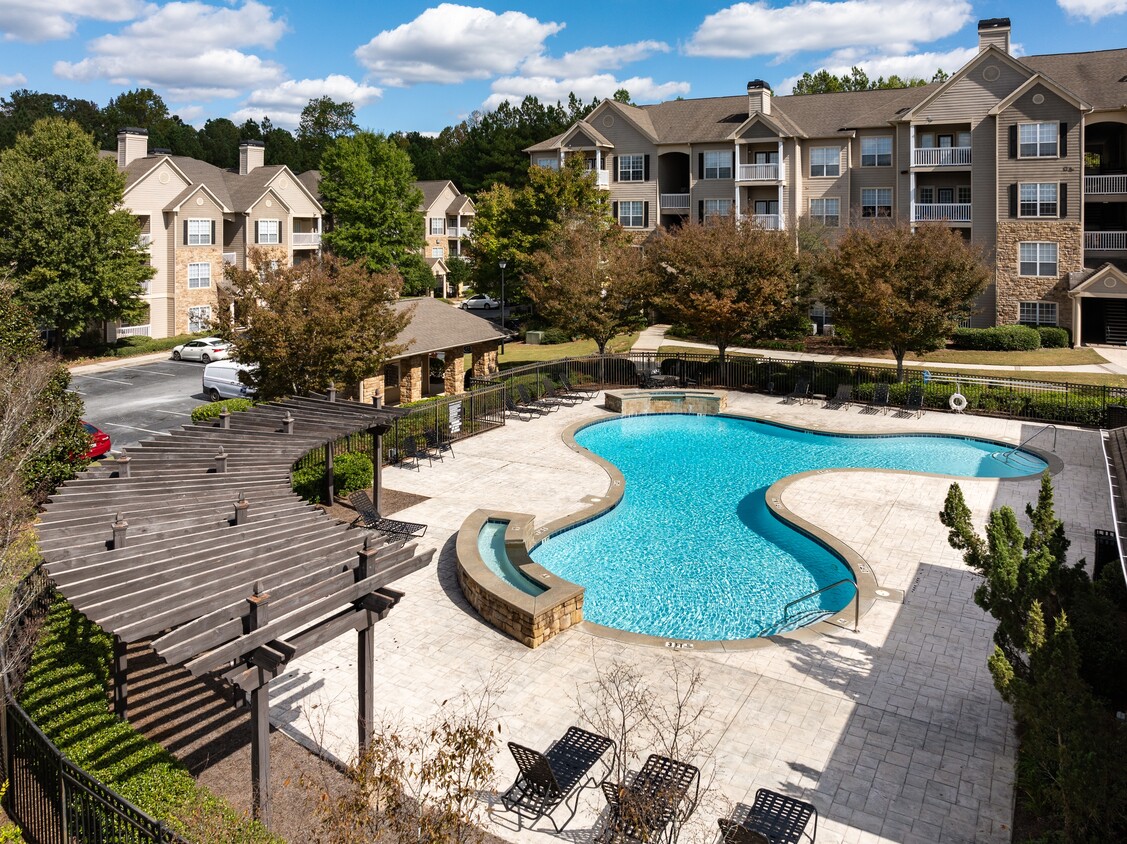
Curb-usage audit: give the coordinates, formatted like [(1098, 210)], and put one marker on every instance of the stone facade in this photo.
[(186, 298), (367, 388), (484, 362), (454, 374), (529, 628), (412, 371), (1013, 288)]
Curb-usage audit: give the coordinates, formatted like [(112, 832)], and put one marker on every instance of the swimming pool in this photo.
[(693, 552)]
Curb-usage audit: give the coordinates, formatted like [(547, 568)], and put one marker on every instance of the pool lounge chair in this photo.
[(561, 393), (368, 516), (774, 818), (658, 798), (800, 393), (547, 405), (583, 392), (548, 779), (522, 410), (843, 398), (880, 399), (914, 406)]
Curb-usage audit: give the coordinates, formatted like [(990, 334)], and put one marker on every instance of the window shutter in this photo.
[(614, 172), (700, 209), (256, 231), (700, 165), (732, 157), (1013, 141), (1013, 200), (185, 232), (1063, 147), (614, 210), (646, 212), (281, 239), (213, 232), (1062, 200), (645, 168)]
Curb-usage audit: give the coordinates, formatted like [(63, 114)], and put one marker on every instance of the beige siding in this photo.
[(236, 239), (628, 141), (156, 190), (874, 177), (269, 207), (816, 187), (902, 156), (295, 197), (973, 94), (984, 184)]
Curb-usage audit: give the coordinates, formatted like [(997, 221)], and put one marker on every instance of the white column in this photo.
[(1076, 327), (782, 174), (598, 159), (911, 171)]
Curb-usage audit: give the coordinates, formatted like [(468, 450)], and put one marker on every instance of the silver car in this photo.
[(480, 301), (206, 349)]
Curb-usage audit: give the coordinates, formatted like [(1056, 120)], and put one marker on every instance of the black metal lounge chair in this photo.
[(657, 798), (914, 406), (522, 410), (800, 393), (438, 446), (774, 819), (583, 392), (548, 779), (880, 399), (843, 397), (545, 404), (561, 393), (368, 516)]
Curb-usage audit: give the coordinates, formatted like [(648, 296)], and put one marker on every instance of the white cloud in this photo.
[(452, 43), (917, 65), (34, 20), (1093, 10), (752, 29), (190, 50), (12, 80), (549, 89), (283, 103), (590, 60)]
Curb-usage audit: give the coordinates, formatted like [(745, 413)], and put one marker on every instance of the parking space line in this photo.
[(110, 380), (170, 412), (133, 428)]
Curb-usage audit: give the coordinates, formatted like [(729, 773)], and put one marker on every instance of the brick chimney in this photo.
[(251, 154), (994, 31), (758, 97), (131, 145)]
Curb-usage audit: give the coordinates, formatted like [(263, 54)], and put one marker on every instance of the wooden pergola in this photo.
[(197, 543)]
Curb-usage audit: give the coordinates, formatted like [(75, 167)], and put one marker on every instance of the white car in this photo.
[(480, 301), (206, 349)]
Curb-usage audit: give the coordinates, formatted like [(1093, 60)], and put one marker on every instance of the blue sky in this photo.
[(419, 66)]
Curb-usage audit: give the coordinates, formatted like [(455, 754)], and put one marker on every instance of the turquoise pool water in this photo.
[(491, 547), (692, 551)]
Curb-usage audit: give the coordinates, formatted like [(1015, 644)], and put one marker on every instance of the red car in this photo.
[(99, 442)]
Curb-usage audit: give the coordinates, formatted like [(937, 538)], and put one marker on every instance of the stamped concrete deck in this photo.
[(896, 734)]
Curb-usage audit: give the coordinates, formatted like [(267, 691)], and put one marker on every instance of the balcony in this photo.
[(675, 202), (133, 331), (941, 157), (1105, 241), (1105, 185), (306, 240), (758, 173), (457, 231), (941, 212), (771, 222), (602, 179)]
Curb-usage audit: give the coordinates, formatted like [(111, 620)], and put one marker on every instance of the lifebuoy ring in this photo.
[(957, 402)]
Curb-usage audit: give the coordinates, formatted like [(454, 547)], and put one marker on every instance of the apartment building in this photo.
[(197, 218), (447, 214), (1025, 156)]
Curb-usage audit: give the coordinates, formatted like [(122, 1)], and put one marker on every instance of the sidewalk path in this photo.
[(653, 338), (118, 363)]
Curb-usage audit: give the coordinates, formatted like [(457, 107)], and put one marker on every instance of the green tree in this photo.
[(220, 141), (323, 120), (306, 327), (22, 108), (824, 82), (590, 282), (282, 148), (459, 272), (183, 139), (723, 279), (418, 280), (368, 190), (142, 108), (907, 291), (74, 254)]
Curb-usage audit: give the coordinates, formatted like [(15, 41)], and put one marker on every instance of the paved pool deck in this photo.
[(896, 733)]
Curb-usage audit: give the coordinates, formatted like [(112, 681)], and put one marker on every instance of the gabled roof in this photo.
[(191, 191), (1094, 77), (436, 327), (462, 204), (311, 181), (136, 171), (1032, 82), (432, 190), (588, 130), (1106, 280), (758, 117), (990, 52)]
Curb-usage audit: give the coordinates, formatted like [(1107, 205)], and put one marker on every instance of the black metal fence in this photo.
[(52, 800)]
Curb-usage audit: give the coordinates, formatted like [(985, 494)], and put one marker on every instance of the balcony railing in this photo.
[(759, 173), (457, 231), (1105, 241), (674, 202), (941, 157), (228, 257), (1105, 184), (934, 212), (771, 222), (306, 238), (133, 331), (602, 179)]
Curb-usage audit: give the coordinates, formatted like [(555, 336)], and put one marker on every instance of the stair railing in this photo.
[(816, 592)]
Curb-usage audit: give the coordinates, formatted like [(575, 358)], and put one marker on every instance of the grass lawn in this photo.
[(518, 354), (1038, 357)]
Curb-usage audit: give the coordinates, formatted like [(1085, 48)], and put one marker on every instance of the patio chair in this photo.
[(915, 403), (368, 516), (843, 398), (438, 446), (548, 779), (520, 410), (582, 392), (657, 798), (545, 404), (880, 399), (800, 393), (773, 819), (560, 393)]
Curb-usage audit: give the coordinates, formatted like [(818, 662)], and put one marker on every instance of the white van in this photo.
[(221, 380)]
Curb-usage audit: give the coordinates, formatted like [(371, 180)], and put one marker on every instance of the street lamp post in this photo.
[(502, 263)]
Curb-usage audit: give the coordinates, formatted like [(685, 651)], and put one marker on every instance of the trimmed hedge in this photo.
[(1053, 337), (65, 694), (351, 471), (1000, 338), (211, 410)]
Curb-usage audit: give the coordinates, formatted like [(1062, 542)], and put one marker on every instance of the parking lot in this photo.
[(131, 403)]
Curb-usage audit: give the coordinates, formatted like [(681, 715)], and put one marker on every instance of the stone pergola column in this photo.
[(484, 360), (454, 373), (412, 378)]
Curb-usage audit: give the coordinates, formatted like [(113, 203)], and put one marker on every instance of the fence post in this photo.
[(329, 472)]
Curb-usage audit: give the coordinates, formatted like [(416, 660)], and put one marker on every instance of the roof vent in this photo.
[(757, 85), (993, 23), (1123, 78), (901, 110)]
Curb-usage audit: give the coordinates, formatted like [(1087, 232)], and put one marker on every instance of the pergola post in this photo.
[(365, 659), (259, 605), (120, 677), (329, 492), (377, 457)]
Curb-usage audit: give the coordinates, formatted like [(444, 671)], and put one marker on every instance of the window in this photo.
[(269, 231), (548, 164), (1037, 313), (437, 225), (436, 251), (147, 287), (1037, 258), (630, 214), (876, 202), (1037, 199), (826, 211), (825, 161), (631, 168), (926, 195), (717, 208), (199, 276), (199, 233), (718, 164), (877, 152), (199, 318), (391, 375), (1037, 140), (964, 194)]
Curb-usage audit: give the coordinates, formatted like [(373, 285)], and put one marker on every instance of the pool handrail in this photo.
[(856, 601)]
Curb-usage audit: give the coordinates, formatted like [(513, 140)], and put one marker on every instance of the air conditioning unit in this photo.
[(813, 328), (828, 329)]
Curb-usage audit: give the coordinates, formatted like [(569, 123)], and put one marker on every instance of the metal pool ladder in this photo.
[(781, 626), (1012, 454)]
